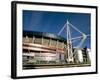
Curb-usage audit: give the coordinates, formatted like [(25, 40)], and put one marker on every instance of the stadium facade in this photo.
[(47, 48)]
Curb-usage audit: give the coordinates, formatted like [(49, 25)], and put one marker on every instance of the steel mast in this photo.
[(69, 50)]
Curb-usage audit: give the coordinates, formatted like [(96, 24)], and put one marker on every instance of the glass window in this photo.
[(53, 43), (60, 45), (38, 40), (46, 41), (25, 39)]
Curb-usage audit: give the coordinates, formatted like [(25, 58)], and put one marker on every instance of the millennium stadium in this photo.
[(46, 50)]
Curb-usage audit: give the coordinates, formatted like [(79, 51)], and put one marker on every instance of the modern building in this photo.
[(39, 47), (47, 48)]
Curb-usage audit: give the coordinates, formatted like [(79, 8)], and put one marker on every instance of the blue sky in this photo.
[(52, 22)]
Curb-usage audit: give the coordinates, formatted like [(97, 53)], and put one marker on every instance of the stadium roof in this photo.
[(43, 34)]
